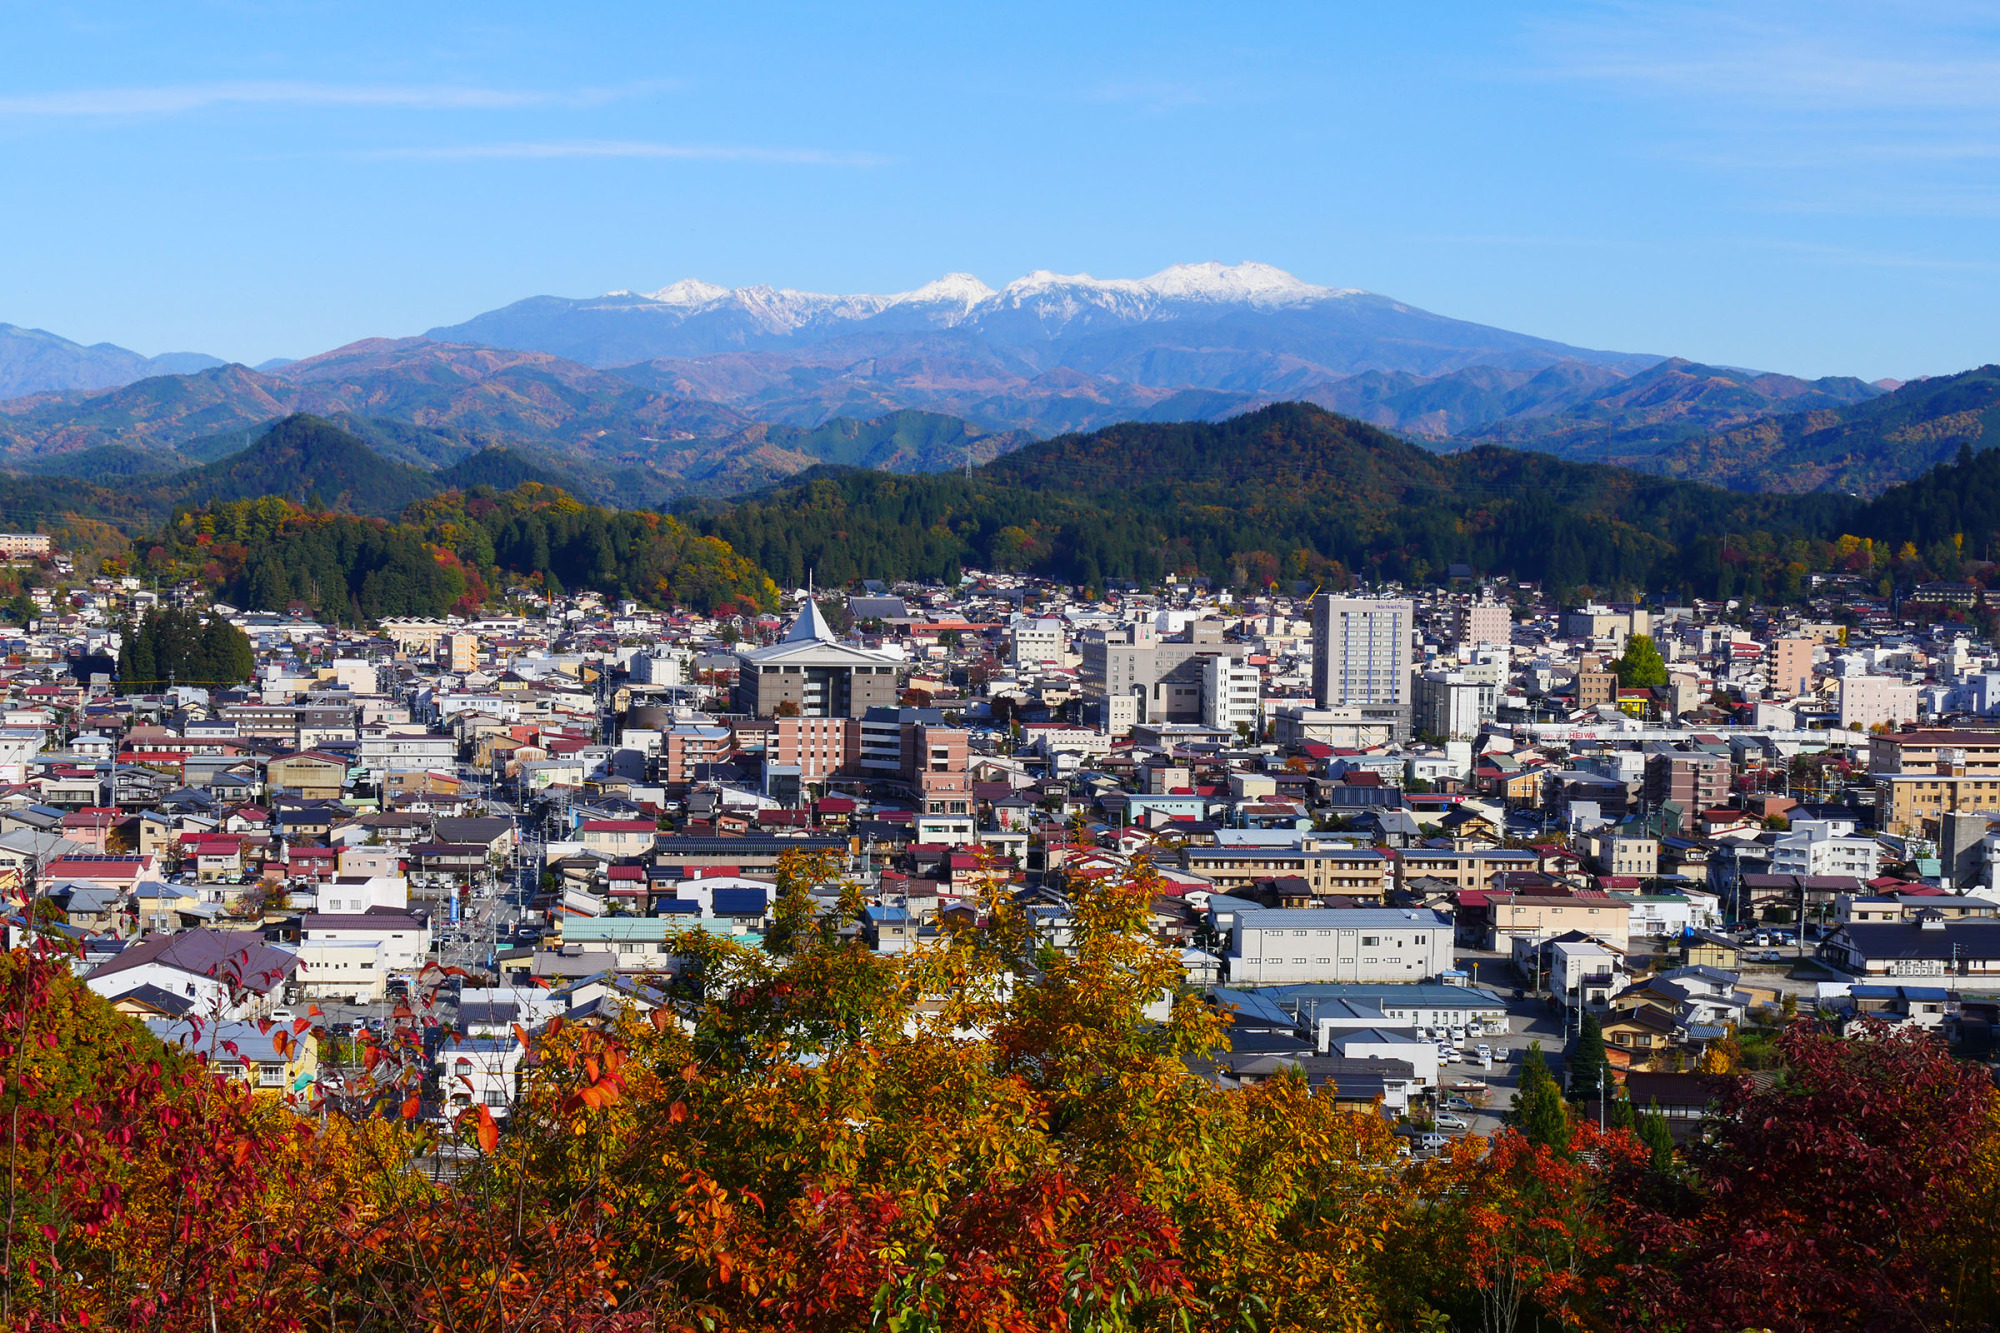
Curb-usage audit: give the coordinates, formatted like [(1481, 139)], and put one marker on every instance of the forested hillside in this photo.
[(449, 552), (1290, 492), (1862, 450)]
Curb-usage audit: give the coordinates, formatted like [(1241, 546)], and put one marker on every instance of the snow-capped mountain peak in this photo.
[(1249, 283), (1260, 284), (692, 292), (957, 289)]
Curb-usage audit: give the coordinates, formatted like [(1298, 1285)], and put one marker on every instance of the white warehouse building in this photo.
[(1339, 944)]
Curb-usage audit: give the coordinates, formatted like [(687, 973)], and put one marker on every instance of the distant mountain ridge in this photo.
[(37, 361), (1608, 419), (429, 404), (1862, 449)]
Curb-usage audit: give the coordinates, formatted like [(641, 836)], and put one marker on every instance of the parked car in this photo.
[(1446, 1120), (1485, 1051), (1458, 1104), (1434, 1142)]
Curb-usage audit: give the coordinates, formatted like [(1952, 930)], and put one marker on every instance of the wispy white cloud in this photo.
[(1864, 109), (614, 148), (179, 99), (1153, 94), (1823, 57)]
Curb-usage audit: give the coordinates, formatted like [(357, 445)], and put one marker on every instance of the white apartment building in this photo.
[(1873, 701), (1583, 972), (1454, 705), (480, 1071), (1035, 642), (408, 750), (659, 668), (354, 895), (1339, 944), (1813, 853), (1231, 694), (405, 940), (1657, 914), (351, 970)]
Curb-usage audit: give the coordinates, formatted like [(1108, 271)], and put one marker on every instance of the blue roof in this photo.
[(666, 905), (1249, 1007), (740, 902), (1934, 993)]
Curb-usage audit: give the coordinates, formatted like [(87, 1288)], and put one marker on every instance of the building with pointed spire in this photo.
[(811, 669)]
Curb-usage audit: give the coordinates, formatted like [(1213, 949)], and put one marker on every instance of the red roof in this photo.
[(619, 826)]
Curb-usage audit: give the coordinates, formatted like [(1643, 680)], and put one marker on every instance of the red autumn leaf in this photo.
[(300, 1025), (521, 1034), (411, 1107), (677, 1113), (555, 1026), (489, 1132)]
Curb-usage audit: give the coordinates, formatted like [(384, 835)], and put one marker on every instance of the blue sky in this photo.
[(1805, 188)]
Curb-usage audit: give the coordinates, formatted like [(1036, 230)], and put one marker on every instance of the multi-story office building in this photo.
[(811, 673), (1596, 683), (1361, 657), (1164, 675), (1976, 752)]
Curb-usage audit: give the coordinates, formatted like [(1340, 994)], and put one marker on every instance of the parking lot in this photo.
[(1529, 1020)]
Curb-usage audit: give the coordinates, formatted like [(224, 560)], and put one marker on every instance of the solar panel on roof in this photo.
[(740, 902)]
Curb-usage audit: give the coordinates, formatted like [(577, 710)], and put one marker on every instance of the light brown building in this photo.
[(1791, 667), (1534, 916), (1466, 869), (1976, 752), (1358, 874), (1595, 682), (24, 543), (1903, 802), (311, 775)]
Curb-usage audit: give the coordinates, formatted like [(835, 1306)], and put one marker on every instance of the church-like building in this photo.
[(812, 669)]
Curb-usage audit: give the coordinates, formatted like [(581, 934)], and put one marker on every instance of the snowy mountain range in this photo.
[(1091, 324)]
